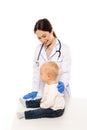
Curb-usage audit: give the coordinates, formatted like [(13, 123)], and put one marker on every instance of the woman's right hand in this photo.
[(30, 95)]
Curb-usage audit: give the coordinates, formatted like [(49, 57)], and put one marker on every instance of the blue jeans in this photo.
[(40, 112)]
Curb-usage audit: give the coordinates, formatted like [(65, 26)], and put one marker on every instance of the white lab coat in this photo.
[(64, 62)]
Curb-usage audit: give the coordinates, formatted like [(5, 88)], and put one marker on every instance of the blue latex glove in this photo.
[(30, 95), (60, 86)]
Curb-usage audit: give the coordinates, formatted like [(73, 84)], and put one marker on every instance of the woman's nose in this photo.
[(42, 40)]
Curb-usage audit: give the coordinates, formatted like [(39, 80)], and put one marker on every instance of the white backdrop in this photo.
[(18, 42)]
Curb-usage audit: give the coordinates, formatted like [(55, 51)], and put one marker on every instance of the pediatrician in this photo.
[(50, 49)]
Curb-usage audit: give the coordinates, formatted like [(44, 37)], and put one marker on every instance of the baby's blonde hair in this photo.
[(51, 67)]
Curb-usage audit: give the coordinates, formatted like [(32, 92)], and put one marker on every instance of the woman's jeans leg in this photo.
[(41, 113)]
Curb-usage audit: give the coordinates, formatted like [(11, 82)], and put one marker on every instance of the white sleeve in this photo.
[(66, 65), (36, 77)]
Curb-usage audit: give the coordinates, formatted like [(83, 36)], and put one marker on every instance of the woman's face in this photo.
[(45, 37)]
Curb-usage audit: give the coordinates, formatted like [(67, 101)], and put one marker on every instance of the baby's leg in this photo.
[(33, 103), (43, 113)]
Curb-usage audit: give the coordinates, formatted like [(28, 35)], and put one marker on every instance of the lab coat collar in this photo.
[(43, 53), (56, 47)]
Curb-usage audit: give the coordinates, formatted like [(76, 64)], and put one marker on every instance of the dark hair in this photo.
[(44, 25)]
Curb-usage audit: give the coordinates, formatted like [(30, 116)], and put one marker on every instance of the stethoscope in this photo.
[(57, 51)]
